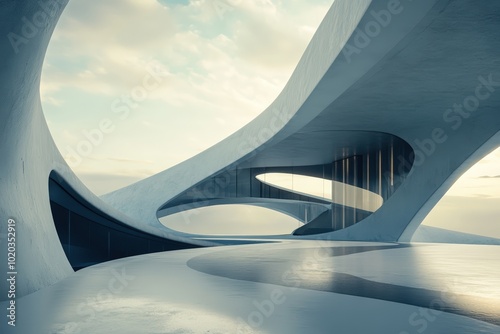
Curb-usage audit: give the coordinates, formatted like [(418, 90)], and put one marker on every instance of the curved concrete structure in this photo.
[(412, 87), (424, 72)]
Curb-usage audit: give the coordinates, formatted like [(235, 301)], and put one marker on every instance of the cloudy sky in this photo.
[(165, 79)]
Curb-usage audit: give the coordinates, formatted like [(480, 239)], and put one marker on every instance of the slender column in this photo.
[(69, 233)]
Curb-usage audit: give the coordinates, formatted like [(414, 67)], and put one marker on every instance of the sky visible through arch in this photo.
[(204, 69)]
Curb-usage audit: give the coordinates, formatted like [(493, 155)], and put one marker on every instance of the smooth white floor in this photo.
[(160, 293)]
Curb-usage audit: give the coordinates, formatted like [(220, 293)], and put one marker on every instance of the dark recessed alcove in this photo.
[(89, 236)]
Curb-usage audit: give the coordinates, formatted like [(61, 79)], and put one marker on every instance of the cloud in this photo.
[(99, 48), (224, 71), (130, 160), (172, 3), (489, 177), (483, 196)]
